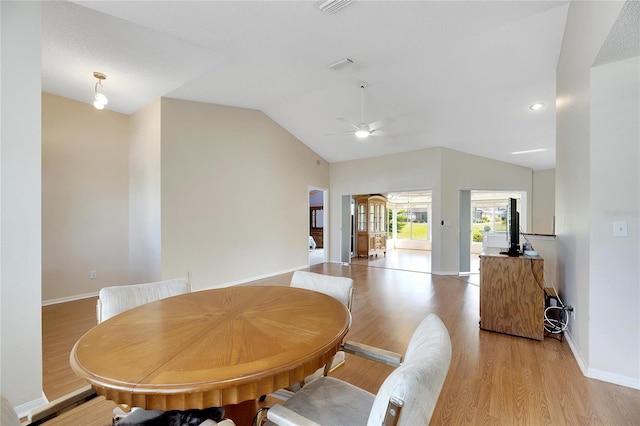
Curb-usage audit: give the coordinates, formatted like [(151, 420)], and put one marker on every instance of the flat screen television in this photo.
[(513, 229)]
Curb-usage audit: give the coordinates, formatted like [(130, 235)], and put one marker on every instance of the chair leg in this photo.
[(261, 417)]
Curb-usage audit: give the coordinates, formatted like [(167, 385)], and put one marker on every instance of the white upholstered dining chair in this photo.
[(341, 289), (407, 397), (117, 299), (8, 416)]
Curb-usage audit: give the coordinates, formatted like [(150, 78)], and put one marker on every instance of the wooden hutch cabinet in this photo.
[(371, 225)]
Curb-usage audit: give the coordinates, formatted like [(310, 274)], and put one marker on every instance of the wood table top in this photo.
[(211, 348)]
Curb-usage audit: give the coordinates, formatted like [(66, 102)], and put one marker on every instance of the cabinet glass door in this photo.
[(372, 218), (362, 217)]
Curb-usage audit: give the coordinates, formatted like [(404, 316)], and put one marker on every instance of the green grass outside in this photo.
[(477, 228), (420, 231), (500, 226)]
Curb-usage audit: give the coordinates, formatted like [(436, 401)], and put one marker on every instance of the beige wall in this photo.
[(543, 202), (85, 180), (230, 185), (144, 195), (235, 194)]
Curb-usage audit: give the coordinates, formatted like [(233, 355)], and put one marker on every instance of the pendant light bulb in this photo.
[(100, 100)]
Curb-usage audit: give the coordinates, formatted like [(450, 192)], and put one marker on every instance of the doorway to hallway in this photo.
[(318, 231)]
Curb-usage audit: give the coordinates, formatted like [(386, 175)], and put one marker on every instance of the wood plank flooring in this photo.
[(493, 378)]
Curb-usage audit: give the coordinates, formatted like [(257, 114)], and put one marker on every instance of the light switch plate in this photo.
[(620, 228)]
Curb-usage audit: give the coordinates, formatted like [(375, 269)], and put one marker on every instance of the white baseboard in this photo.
[(24, 410), (616, 379), (576, 353), (605, 376), (229, 284), (456, 273), (69, 298), (254, 278)]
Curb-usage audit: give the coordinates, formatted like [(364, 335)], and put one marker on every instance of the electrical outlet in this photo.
[(93, 275)]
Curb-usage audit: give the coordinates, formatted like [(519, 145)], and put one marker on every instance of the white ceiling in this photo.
[(458, 74)]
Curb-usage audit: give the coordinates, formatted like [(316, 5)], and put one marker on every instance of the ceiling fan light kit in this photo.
[(362, 133), (364, 129)]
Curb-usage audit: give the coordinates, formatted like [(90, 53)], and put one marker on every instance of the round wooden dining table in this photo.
[(211, 348)]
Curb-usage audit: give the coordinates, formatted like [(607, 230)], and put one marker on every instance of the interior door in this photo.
[(345, 230), (465, 232)]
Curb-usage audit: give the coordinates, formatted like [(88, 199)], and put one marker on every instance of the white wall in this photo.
[(85, 198), (144, 195), (588, 24), (20, 205), (614, 308), (543, 202), (235, 194), (444, 171), (417, 170), (464, 171)]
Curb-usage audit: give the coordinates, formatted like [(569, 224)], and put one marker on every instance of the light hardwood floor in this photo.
[(493, 378)]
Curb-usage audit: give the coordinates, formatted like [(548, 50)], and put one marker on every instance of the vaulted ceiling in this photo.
[(458, 74)]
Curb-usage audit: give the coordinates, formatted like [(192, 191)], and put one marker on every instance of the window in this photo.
[(409, 215), (489, 209), (413, 223)]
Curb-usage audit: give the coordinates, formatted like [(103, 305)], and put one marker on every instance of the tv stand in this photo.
[(512, 295)]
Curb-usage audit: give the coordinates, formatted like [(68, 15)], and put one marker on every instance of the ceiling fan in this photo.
[(364, 129)]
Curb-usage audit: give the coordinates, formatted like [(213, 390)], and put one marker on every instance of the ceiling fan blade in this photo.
[(344, 120), (350, 132), (379, 132), (381, 123)]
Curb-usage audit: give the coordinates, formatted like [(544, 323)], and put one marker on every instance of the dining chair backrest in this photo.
[(117, 299), (407, 396), (8, 416), (340, 288), (418, 381)]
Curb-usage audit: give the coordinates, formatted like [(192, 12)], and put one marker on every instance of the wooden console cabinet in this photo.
[(371, 225), (512, 295)]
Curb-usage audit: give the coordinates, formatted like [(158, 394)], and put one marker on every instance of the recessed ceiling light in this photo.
[(536, 106), (529, 151)]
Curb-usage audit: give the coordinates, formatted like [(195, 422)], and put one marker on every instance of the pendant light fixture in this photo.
[(100, 100)]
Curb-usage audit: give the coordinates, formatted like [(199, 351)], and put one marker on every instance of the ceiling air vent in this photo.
[(331, 6), (340, 64)]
